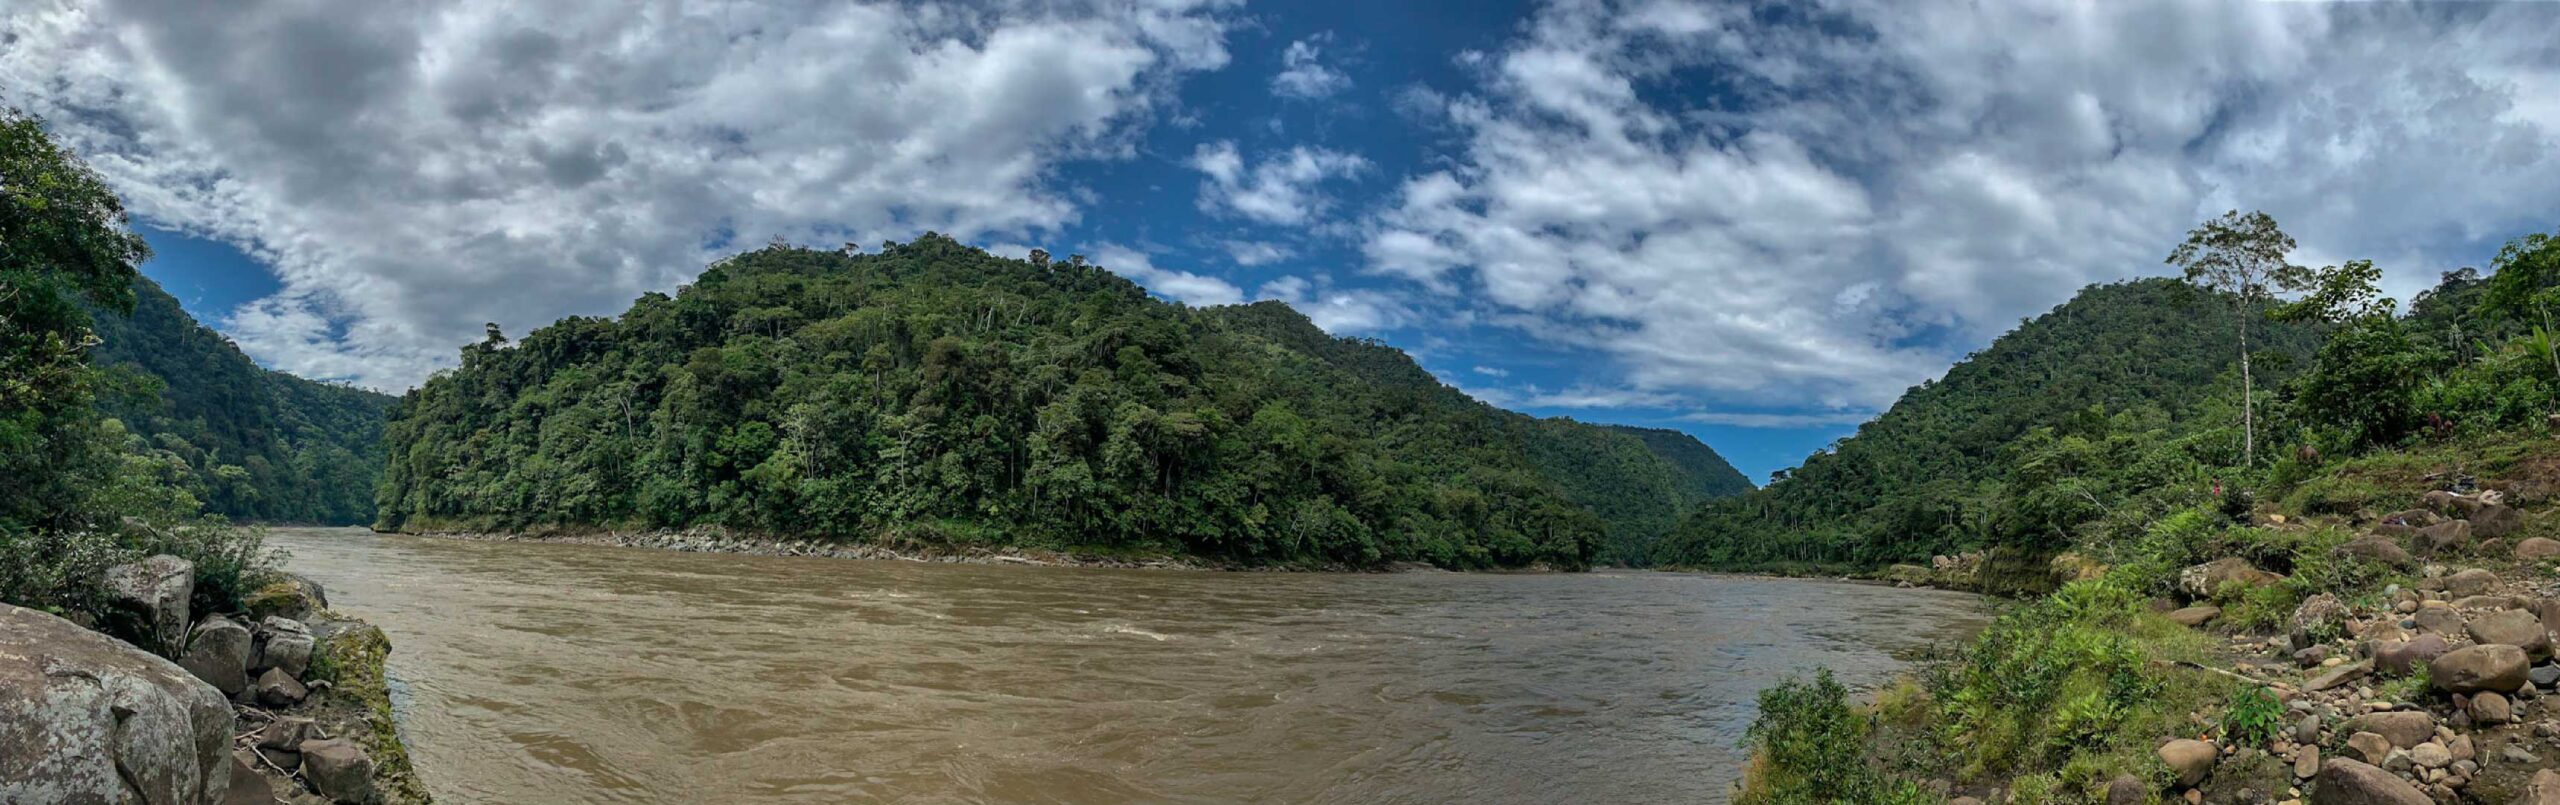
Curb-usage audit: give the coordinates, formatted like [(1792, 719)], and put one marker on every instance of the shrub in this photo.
[(2251, 717), (1809, 746)]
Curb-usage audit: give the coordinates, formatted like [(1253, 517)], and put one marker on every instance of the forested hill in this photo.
[(259, 445), (1706, 474), (1983, 456), (933, 392), (1639, 481)]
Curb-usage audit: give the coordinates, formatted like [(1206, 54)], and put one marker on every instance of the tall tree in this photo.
[(2244, 257)]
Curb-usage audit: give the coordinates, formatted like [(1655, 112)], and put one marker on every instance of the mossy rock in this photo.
[(350, 657), (289, 596)]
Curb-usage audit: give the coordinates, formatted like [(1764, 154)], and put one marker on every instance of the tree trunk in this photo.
[(2248, 393)]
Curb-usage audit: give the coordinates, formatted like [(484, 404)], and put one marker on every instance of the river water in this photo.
[(569, 673)]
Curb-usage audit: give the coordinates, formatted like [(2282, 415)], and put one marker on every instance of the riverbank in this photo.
[(706, 540), (279, 701), (2381, 633)]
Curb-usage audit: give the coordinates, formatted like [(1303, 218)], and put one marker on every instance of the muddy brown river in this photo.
[(545, 673)]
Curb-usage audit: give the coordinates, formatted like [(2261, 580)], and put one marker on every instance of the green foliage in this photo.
[(1808, 746), (80, 493), (1019, 403), (2251, 717), (258, 444), (2057, 677), (2059, 427)]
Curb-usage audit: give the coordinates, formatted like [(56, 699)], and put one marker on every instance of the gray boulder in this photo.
[(218, 652), (340, 770), (150, 597), (278, 689), (283, 643), (88, 718), (2347, 782), (2544, 789), (2195, 616)]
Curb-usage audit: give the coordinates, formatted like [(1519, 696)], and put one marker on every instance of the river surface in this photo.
[(552, 673)]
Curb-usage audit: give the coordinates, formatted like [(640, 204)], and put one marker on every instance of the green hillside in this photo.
[(940, 394), (2132, 364), (259, 445)]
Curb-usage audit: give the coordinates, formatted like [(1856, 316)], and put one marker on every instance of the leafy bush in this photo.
[(2251, 717), (2054, 678), (1809, 746)]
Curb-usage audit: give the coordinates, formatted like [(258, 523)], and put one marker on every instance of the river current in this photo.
[(554, 673)]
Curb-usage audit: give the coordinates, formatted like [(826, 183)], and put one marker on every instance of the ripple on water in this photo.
[(562, 673)]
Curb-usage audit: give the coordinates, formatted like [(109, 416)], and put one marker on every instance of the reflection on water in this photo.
[(568, 673)]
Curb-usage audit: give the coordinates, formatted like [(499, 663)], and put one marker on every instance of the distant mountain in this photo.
[(1924, 477), (264, 445), (936, 393), (1708, 475)]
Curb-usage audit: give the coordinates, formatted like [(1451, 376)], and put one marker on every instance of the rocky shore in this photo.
[(283, 702), (703, 540)]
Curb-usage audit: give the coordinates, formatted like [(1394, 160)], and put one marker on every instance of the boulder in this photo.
[(340, 770), (2491, 709), (2320, 616), (2472, 669), (2337, 676), (2446, 503), (2492, 521), (2535, 549), (2400, 658), (88, 718), (2195, 616), (2438, 618), (2470, 581), (287, 733), (248, 787), (2444, 537), (218, 652), (290, 596), (2431, 755), (2189, 760), (2127, 789), (2512, 627), (279, 689), (2400, 729), (148, 600), (2544, 789), (2202, 581), (2371, 746), (2306, 761), (284, 644), (2491, 602), (2346, 782), (2394, 530), (2377, 548)]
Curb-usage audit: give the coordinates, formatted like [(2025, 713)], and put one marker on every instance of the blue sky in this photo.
[(1756, 223)]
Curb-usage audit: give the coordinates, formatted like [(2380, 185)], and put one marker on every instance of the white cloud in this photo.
[(1744, 419), (1303, 74), (1880, 186), (1254, 252), (1190, 288), (1280, 190), (1340, 311), (1489, 371), (411, 172)]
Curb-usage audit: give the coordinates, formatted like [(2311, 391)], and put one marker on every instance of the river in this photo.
[(532, 672)]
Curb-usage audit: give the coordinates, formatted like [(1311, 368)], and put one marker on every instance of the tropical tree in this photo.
[(2242, 256)]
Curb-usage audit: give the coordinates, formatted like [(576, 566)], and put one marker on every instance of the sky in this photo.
[(1758, 223)]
